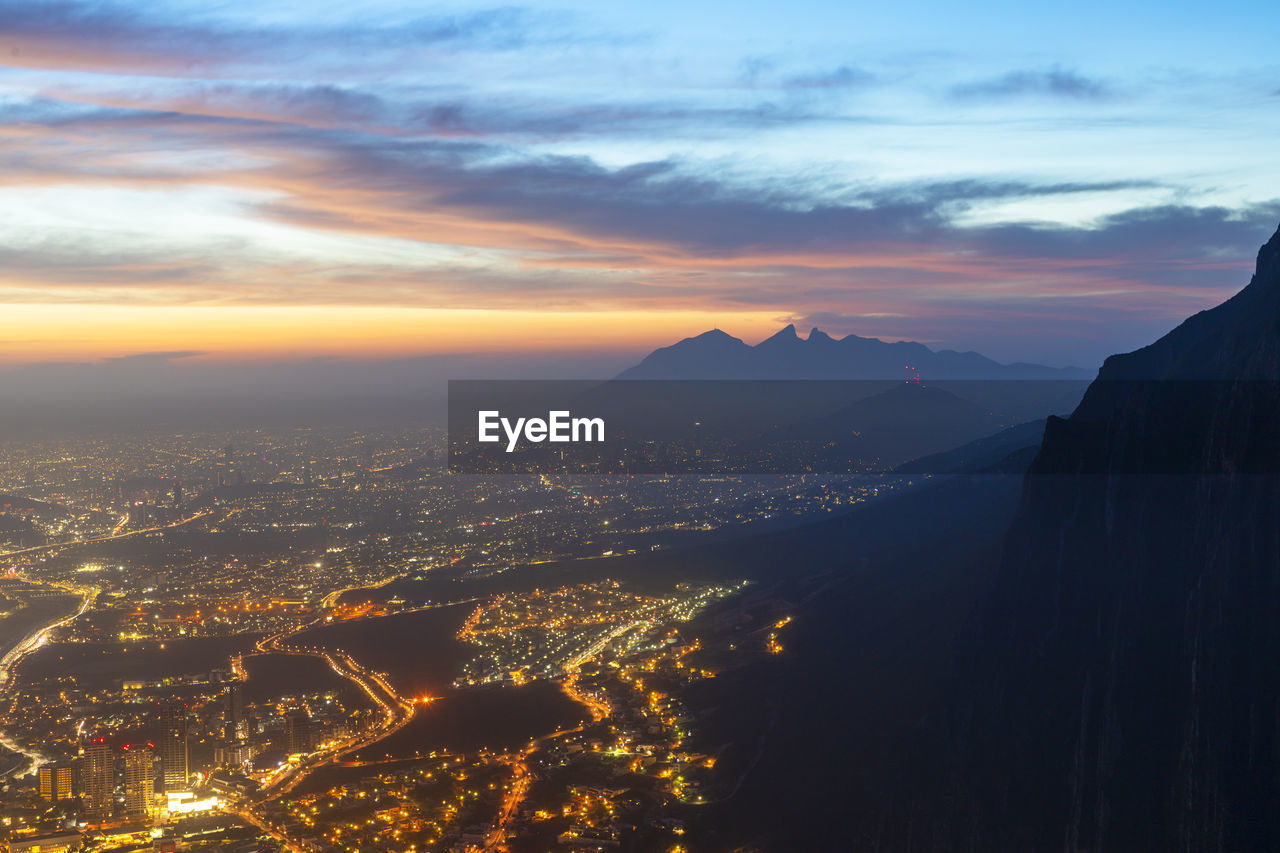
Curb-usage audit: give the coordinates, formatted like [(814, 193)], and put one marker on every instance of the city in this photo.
[(664, 427), (196, 631)]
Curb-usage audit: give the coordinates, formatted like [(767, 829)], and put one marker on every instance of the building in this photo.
[(174, 753), (98, 779), (231, 784), (61, 842), (232, 754), (139, 778), (234, 727), (57, 782), (297, 732)]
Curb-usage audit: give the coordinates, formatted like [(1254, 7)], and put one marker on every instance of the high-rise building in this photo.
[(234, 727), (297, 732), (98, 777), (139, 778), (173, 745), (57, 781)]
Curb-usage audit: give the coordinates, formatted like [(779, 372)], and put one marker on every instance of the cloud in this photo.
[(664, 213), (116, 38), (147, 359), (844, 77), (1054, 83), (753, 68), (572, 231), (425, 111), (477, 218), (1151, 236)]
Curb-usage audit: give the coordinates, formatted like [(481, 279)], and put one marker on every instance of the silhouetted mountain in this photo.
[(785, 355), (984, 455), (1122, 691)]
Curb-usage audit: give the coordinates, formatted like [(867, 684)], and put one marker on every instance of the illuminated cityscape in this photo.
[(203, 644), (588, 427)]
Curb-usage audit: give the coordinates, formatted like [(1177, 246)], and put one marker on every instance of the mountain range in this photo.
[(785, 355)]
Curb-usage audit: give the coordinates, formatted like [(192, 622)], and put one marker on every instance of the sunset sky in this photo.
[(375, 180)]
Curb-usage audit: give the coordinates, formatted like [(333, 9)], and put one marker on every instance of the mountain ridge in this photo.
[(715, 354)]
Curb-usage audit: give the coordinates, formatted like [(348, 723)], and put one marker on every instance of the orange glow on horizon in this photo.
[(78, 333)]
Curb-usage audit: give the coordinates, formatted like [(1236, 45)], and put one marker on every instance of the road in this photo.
[(29, 644), (522, 778), (107, 538), (396, 710)]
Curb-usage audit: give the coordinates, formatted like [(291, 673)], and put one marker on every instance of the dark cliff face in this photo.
[(1123, 690)]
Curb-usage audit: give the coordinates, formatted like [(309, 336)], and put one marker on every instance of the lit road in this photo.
[(519, 788), (29, 644), (53, 546), (521, 780), (396, 710), (251, 818), (599, 709), (331, 600)]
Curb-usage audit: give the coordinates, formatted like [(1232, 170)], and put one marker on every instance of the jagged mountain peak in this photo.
[(786, 335), (785, 355), (816, 335)]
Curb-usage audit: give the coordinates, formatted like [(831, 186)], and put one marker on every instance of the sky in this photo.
[(234, 182)]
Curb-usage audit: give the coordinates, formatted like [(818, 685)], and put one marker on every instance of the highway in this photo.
[(396, 710), (29, 644), (53, 546)]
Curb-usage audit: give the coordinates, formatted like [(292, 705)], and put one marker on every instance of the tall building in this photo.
[(98, 778), (297, 732), (174, 755), (234, 727), (139, 778), (57, 781)]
